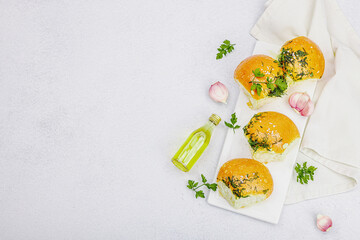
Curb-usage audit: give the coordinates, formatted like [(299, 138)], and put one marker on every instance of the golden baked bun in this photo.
[(301, 59), (271, 136), (243, 182), (261, 78)]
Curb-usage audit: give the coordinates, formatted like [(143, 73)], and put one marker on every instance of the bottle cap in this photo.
[(215, 119)]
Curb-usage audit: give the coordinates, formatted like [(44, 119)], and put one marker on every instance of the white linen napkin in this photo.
[(331, 136)]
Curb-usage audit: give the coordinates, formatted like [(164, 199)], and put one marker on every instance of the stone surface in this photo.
[(95, 98)]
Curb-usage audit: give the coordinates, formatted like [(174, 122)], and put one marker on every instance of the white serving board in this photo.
[(236, 146)]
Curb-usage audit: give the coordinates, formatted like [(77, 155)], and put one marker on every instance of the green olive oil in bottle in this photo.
[(195, 144)]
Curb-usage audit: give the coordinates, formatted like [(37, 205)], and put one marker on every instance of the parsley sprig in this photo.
[(233, 121), (195, 185), (225, 48), (304, 173), (256, 84)]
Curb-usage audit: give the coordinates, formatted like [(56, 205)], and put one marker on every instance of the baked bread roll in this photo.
[(261, 78), (271, 136), (243, 182), (301, 59)]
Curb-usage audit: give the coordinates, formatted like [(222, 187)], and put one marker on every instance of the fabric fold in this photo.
[(331, 132)]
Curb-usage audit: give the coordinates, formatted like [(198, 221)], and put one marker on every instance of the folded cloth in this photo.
[(333, 129)]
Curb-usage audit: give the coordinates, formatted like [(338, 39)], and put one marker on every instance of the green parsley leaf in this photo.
[(258, 73), (256, 84), (212, 186), (200, 194), (233, 118), (281, 83), (304, 173), (203, 178), (269, 84), (279, 87), (224, 49), (258, 89), (233, 121), (227, 42), (219, 55), (190, 184)]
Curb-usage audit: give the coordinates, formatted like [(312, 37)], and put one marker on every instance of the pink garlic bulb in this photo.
[(324, 223), (218, 92), (301, 103)]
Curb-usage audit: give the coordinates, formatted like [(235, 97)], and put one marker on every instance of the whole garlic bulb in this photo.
[(218, 92), (301, 103)]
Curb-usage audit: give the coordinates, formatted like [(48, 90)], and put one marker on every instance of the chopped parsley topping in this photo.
[(239, 185), (255, 144), (287, 60), (254, 140)]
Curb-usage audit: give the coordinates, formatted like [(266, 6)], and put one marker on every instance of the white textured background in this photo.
[(95, 98)]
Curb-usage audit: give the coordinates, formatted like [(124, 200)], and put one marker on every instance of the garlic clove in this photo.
[(218, 92), (301, 103), (307, 110), (324, 223), (294, 98)]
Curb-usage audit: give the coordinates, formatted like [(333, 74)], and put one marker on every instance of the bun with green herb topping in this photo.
[(271, 135), (244, 182), (301, 59), (261, 78)]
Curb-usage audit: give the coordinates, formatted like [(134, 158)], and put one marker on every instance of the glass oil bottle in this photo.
[(195, 144)]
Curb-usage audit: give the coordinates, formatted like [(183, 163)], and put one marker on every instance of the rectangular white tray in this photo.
[(236, 146)]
